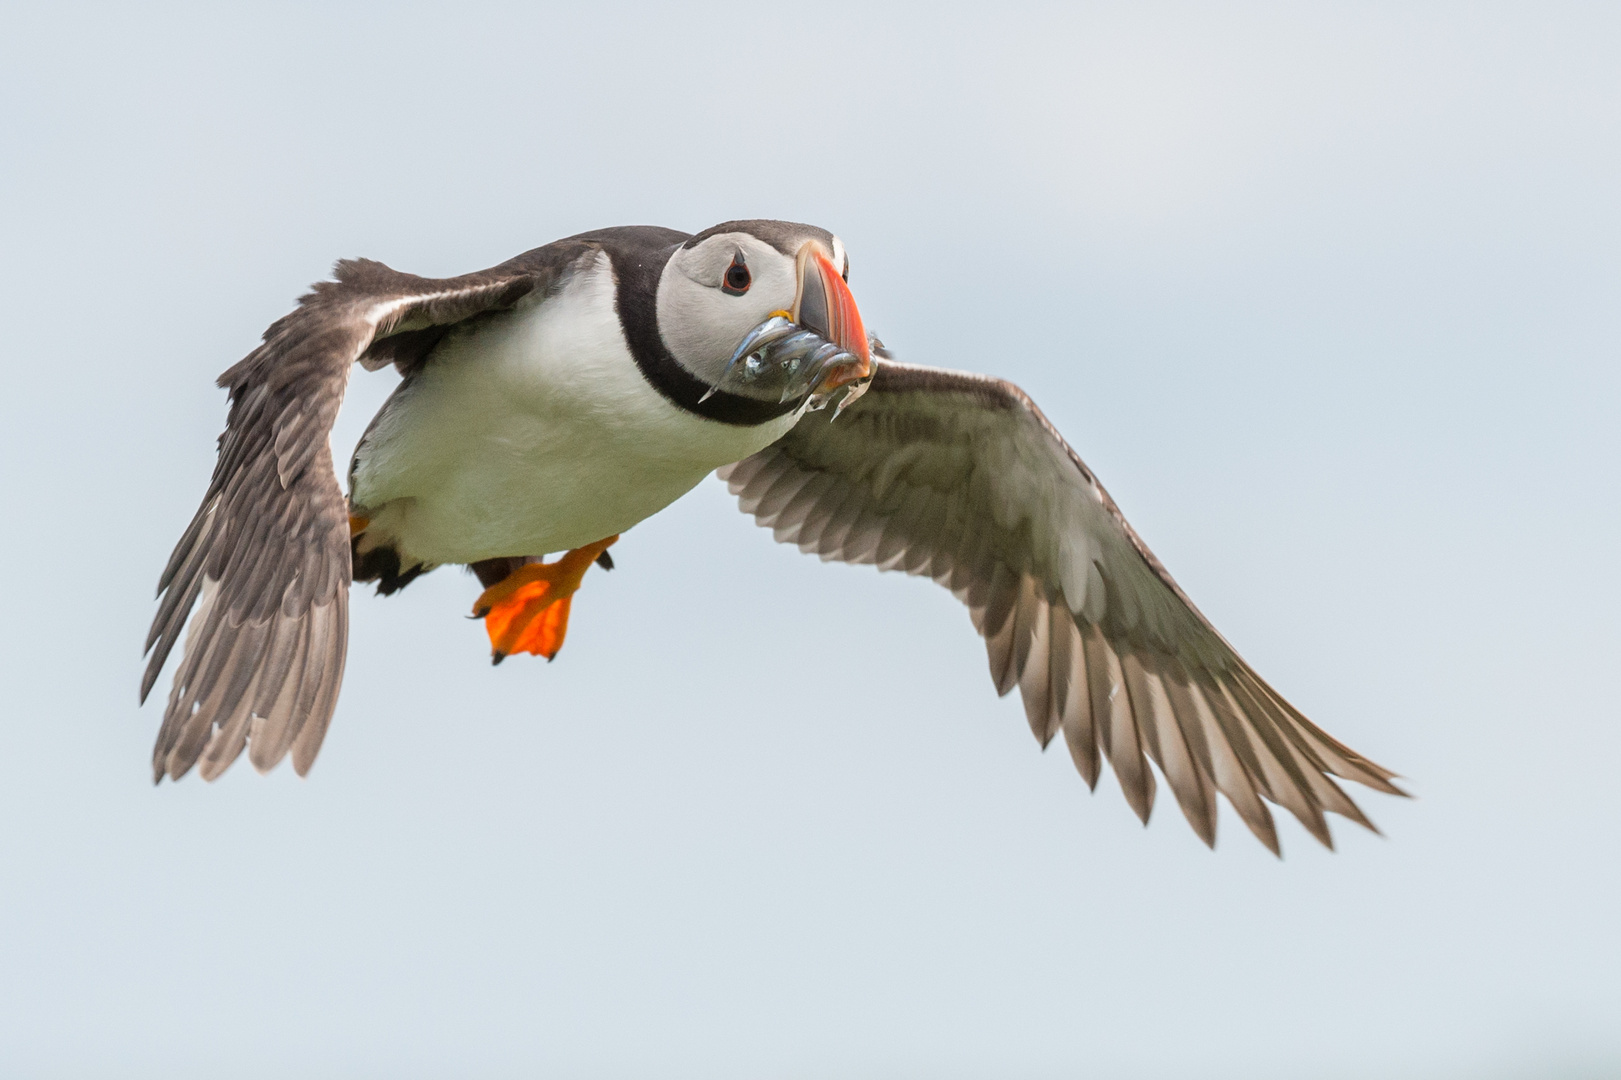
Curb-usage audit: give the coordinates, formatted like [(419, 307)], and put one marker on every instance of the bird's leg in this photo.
[(527, 611)]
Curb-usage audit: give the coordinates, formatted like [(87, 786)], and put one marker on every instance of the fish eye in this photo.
[(735, 282)]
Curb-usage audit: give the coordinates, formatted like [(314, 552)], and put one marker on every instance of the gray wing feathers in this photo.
[(266, 560), (960, 478)]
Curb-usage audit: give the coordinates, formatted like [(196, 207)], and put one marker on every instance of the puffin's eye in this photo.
[(736, 280)]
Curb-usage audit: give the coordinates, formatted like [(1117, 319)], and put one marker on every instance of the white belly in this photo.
[(534, 432)]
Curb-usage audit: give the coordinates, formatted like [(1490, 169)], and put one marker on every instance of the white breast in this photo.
[(532, 432)]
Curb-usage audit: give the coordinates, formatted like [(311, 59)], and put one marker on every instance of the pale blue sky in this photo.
[(1328, 296)]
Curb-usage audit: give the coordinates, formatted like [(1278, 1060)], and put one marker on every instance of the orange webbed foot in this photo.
[(527, 611)]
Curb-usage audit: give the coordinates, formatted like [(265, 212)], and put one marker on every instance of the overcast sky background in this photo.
[(1326, 294)]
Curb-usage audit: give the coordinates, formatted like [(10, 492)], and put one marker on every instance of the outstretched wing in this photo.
[(268, 551), (960, 478)]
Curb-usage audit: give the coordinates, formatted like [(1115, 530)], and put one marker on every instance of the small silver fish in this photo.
[(781, 359)]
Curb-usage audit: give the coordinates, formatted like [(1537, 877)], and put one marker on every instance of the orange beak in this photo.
[(825, 307)]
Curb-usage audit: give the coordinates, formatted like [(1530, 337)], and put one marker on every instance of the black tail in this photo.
[(382, 565)]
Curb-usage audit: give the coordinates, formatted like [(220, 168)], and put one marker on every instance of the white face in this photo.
[(702, 312)]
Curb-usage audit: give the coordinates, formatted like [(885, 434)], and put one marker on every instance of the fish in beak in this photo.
[(818, 350)]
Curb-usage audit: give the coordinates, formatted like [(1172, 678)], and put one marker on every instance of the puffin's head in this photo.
[(724, 282)]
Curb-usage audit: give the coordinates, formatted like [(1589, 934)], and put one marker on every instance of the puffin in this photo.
[(550, 403)]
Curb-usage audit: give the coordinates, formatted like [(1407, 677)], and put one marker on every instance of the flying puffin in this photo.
[(552, 402)]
